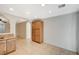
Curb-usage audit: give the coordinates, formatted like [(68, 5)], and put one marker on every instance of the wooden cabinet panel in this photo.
[(11, 45), (37, 31), (2, 47), (37, 35), (7, 43)]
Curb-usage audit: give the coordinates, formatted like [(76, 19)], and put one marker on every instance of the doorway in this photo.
[(30, 30), (21, 30)]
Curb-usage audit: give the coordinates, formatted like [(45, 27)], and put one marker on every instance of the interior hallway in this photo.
[(27, 47)]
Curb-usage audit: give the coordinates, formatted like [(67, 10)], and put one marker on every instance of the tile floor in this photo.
[(28, 47)]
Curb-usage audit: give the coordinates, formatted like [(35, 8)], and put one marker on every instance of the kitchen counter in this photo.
[(5, 36), (7, 43)]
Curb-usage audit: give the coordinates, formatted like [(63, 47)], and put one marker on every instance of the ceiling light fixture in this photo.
[(42, 5), (28, 13), (11, 9), (35, 16), (50, 11)]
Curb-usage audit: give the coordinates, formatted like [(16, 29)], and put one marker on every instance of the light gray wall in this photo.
[(77, 32), (61, 31)]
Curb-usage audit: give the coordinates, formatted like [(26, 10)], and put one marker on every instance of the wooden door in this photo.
[(37, 31)]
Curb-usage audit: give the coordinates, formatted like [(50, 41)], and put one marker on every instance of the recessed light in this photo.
[(35, 16), (28, 13), (11, 9), (42, 5), (50, 11)]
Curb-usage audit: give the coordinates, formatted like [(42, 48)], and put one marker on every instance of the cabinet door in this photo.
[(38, 25), (37, 35), (33, 34), (11, 45), (37, 31), (2, 47)]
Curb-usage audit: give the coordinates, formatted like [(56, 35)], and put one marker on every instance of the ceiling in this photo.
[(32, 11)]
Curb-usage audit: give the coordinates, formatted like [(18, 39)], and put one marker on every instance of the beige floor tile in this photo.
[(27, 47)]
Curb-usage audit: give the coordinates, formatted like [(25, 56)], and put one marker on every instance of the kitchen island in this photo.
[(7, 43)]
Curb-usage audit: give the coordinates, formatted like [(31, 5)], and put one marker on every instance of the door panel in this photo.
[(2, 47), (37, 36), (11, 45), (37, 31)]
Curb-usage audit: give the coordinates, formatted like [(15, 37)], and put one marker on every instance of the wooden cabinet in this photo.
[(7, 43), (37, 31), (11, 45), (2, 47)]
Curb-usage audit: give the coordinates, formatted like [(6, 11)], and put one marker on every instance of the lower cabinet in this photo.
[(7, 46), (2, 47), (11, 45)]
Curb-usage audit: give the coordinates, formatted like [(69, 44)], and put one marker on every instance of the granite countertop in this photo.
[(6, 36), (3, 39)]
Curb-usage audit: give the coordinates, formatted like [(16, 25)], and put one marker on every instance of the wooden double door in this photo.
[(37, 31)]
